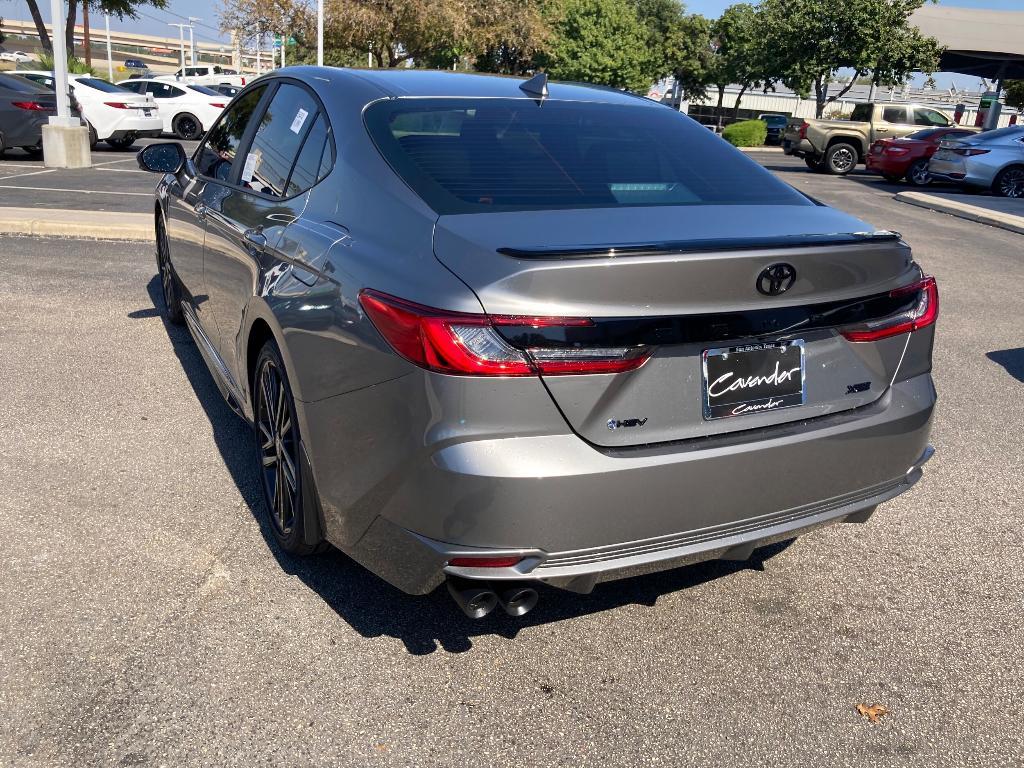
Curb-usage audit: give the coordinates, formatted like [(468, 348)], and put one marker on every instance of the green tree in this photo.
[(810, 40), (598, 41), (741, 55), (1014, 93), (508, 35)]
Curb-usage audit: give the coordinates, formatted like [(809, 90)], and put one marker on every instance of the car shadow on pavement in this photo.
[(371, 606), (1011, 359)]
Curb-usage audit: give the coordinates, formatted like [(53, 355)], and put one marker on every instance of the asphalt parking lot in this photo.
[(113, 183), (148, 619)]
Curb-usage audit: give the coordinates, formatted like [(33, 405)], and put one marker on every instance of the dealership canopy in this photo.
[(987, 44)]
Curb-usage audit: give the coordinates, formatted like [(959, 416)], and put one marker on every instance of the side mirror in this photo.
[(167, 157)]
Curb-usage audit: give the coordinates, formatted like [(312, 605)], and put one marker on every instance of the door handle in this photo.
[(201, 211), (881, 130), (256, 238)]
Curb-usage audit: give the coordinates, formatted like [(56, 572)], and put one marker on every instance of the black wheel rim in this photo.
[(275, 434), (1012, 183), (166, 277), (188, 128)]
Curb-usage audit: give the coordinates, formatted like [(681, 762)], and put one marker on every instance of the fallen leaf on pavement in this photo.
[(873, 713)]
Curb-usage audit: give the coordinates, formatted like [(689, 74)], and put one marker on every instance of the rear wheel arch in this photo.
[(853, 141)]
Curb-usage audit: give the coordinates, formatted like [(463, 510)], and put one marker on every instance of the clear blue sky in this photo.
[(155, 22)]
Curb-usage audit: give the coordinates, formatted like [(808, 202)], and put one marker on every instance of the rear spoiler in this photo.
[(700, 246)]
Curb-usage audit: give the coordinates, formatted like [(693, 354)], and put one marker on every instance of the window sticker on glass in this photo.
[(250, 167), (300, 118)]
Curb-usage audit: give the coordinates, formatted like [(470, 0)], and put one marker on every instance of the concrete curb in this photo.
[(760, 149), (93, 225), (1007, 221)]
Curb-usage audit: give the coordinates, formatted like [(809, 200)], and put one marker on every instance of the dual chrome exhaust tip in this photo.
[(479, 598)]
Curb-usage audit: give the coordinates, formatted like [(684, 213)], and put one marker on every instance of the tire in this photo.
[(94, 138), (1009, 182), (123, 143), (278, 458), (917, 173), (187, 127), (168, 280), (813, 164), (840, 158)]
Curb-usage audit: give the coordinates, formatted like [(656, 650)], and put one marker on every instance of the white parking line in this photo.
[(78, 191), (20, 175)]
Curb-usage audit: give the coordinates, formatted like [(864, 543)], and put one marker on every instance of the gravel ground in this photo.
[(149, 620)]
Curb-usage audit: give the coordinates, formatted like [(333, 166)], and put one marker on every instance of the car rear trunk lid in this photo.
[(681, 289)]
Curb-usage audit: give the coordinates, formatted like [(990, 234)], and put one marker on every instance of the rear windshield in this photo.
[(101, 85), (926, 134), (205, 91), (775, 120), (477, 155), (20, 84)]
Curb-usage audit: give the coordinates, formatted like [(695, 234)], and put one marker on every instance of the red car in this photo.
[(908, 156)]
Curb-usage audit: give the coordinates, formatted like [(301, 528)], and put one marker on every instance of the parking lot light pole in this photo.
[(191, 43), (319, 33), (65, 139), (181, 40), (110, 55)]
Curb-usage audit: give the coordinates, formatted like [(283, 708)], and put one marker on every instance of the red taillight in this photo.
[(803, 129), (218, 106), (484, 562), (924, 313), (120, 105), (467, 344), (33, 106), (892, 149), (971, 151), (243, 81)]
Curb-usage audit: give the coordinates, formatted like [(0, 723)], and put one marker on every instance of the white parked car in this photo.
[(114, 114), (206, 74), (188, 111), (16, 56)]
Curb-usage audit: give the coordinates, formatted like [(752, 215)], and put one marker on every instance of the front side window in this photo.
[(475, 155), (924, 116), (284, 125), (216, 156), (894, 115)]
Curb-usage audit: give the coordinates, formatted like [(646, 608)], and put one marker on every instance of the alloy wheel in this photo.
[(842, 160), (1011, 182), (275, 425), (919, 174), (166, 276), (188, 128)]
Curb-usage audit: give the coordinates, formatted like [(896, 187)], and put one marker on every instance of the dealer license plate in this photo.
[(753, 379)]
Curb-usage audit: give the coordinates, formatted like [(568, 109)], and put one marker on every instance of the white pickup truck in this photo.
[(206, 74)]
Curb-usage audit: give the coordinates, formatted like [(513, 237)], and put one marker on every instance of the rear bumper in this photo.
[(881, 164), (798, 148), (578, 515), (959, 172)]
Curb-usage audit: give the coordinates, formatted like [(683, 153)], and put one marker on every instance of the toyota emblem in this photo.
[(776, 279)]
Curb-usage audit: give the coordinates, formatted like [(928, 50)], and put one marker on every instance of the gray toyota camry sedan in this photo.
[(497, 332)]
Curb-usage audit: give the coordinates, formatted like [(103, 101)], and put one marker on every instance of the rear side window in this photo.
[(309, 164), (164, 91), (290, 116), (475, 155), (894, 114), (134, 87), (861, 113), (216, 156)]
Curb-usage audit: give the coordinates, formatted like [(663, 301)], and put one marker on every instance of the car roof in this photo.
[(400, 83)]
